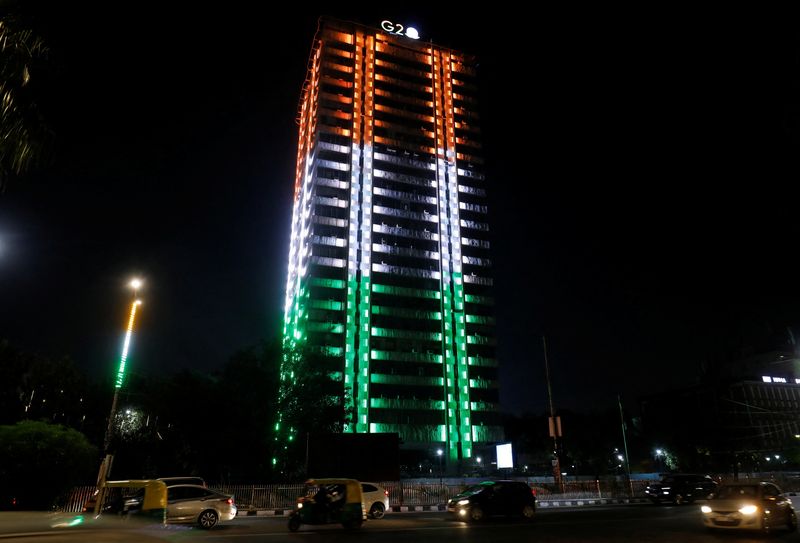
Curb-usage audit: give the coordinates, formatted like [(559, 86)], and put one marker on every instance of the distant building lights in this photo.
[(769, 379)]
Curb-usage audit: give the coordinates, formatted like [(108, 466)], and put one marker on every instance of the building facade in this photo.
[(745, 414), (389, 281)]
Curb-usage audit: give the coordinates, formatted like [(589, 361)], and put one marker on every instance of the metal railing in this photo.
[(284, 496), (413, 493)]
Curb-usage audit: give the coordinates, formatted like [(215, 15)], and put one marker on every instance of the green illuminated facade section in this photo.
[(389, 281)]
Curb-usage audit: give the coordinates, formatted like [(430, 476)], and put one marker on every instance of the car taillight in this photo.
[(229, 501), (533, 491), (386, 493)]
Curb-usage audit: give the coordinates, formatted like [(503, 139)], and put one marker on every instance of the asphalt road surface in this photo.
[(611, 524)]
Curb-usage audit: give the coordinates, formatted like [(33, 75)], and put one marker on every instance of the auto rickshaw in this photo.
[(330, 501), (146, 498)]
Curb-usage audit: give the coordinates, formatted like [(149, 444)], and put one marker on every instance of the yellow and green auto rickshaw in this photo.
[(330, 501), (145, 498)]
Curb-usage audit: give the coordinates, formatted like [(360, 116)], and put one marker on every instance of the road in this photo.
[(609, 524)]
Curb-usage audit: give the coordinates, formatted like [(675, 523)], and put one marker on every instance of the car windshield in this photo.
[(474, 490), (738, 491)]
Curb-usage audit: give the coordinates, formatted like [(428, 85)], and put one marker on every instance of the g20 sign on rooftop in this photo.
[(400, 30)]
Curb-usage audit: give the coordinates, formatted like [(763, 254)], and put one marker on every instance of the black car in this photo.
[(494, 498), (681, 488)]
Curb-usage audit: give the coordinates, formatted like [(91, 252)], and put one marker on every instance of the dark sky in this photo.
[(643, 187)]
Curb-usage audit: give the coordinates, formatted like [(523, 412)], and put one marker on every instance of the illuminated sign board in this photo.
[(504, 456), (768, 379), (400, 30)]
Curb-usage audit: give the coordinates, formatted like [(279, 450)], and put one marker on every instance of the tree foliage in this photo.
[(23, 132), (217, 426), (39, 462), (310, 401), (36, 387)]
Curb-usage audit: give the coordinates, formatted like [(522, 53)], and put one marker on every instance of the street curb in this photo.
[(598, 501), (263, 513), (548, 504)]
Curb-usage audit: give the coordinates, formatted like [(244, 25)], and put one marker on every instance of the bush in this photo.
[(39, 462)]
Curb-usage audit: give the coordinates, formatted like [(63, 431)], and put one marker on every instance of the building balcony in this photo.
[(405, 232)]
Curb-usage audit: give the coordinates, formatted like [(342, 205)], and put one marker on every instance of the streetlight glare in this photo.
[(439, 452), (136, 283)]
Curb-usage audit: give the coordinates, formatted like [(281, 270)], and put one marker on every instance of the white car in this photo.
[(376, 499), (749, 506), (197, 504)]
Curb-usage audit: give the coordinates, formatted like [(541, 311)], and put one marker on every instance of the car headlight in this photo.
[(705, 509), (300, 505), (748, 509), (463, 502)]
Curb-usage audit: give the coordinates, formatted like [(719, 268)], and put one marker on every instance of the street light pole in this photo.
[(555, 422), (625, 444), (135, 284), (439, 453)]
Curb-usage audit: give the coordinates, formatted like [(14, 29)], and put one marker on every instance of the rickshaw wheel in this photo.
[(294, 523)]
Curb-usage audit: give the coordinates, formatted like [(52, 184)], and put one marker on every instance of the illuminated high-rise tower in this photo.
[(389, 280)]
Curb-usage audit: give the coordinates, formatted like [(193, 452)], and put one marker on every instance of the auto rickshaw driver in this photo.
[(335, 500), (321, 502), (328, 500)]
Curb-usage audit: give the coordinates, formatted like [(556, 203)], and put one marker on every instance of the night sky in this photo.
[(643, 172)]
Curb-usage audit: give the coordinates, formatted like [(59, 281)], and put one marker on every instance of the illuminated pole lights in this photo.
[(120, 378), (389, 278)]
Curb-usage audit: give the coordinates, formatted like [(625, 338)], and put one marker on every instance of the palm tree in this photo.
[(22, 130)]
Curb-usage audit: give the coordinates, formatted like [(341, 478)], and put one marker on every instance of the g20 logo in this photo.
[(400, 30)]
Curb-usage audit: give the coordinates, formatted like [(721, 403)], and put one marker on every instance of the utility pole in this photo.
[(625, 445), (554, 422)]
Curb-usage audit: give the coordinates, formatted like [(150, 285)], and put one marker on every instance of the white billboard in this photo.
[(504, 456)]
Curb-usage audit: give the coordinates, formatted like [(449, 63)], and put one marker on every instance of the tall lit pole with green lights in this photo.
[(135, 284)]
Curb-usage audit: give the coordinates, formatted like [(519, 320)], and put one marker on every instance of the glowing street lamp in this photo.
[(135, 284), (659, 458)]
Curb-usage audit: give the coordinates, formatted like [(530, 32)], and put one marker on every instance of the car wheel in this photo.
[(476, 513), (294, 523), (791, 521), (376, 511), (528, 511), (208, 519)]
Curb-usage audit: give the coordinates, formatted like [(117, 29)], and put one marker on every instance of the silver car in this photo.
[(749, 506), (197, 504)]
